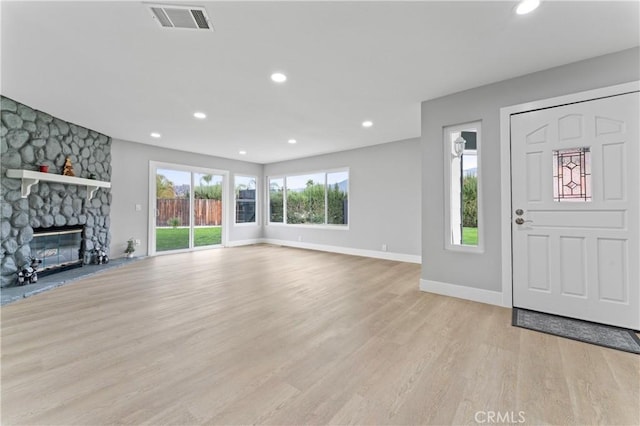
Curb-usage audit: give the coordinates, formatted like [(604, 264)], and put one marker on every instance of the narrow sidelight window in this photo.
[(462, 180)]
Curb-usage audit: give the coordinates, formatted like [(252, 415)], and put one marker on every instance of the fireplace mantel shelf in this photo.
[(30, 178)]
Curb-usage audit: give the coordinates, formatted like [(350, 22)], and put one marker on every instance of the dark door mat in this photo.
[(589, 332)]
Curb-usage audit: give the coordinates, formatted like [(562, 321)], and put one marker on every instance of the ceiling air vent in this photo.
[(190, 18)]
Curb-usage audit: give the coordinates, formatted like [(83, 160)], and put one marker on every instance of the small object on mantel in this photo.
[(44, 168), (67, 168), (92, 176), (30, 178)]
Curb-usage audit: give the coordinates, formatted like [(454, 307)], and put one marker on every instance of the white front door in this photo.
[(575, 210)]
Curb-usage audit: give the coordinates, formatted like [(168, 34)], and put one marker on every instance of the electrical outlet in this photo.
[(138, 207), (384, 247), (299, 237), (137, 242)]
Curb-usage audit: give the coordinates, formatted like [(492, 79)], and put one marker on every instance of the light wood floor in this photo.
[(283, 336)]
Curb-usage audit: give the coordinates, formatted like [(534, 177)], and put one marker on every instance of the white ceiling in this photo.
[(110, 67)]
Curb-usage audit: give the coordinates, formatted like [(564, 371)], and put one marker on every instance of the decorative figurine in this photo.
[(100, 256), (29, 273), (130, 247), (68, 168)]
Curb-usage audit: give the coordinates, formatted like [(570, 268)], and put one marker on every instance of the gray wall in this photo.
[(130, 186), (483, 103), (384, 198)]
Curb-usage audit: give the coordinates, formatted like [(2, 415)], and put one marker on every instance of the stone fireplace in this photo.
[(30, 139), (59, 248)]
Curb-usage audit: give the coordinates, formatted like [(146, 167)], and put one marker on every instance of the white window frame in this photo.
[(257, 203), (326, 207), (153, 170), (448, 182), (267, 199)]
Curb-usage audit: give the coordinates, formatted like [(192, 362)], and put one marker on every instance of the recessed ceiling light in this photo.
[(367, 123), (292, 141), (278, 77), (242, 152), (200, 115), (155, 135), (526, 6)]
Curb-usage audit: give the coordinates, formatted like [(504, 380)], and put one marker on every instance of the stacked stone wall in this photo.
[(29, 139)]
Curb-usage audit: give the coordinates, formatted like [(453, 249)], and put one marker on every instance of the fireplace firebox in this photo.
[(59, 248)]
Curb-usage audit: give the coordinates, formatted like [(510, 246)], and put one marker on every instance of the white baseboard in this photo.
[(238, 243), (399, 257), (462, 292)]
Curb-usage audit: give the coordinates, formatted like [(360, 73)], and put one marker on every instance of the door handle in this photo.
[(521, 221)]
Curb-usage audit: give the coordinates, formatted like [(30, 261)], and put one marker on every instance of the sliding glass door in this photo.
[(188, 208), (207, 209), (173, 213)]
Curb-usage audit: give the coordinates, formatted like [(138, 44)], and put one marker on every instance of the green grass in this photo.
[(470, 236), (178, 238)]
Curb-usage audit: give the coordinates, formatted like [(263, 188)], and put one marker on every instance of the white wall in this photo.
[(384, 198), (483, 271), (384, 201), (130, 186)]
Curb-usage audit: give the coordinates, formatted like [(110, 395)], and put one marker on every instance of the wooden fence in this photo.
[(206, 212)]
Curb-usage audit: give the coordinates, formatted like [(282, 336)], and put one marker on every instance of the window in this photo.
[(572, 174), (337, 198), (245, 190), (187, 207), (276, 200), (319, 198), (306, 199), (462, 161)]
